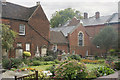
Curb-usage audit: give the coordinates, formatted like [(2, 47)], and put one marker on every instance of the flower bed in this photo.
[(92, 61)]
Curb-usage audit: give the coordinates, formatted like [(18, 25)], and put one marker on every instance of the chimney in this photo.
[(38, 3), (3, 2), (85, 15), (97, 15)]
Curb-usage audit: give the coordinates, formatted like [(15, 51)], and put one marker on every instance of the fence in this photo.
[(28, 77)]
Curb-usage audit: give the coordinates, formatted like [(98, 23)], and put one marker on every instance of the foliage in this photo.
[(52, 70), (6, 63), (60, 17), (48, 58), (8, 37), (71, 70), (11, 63), (27, 54), (15, 62), (112, 58), (76, 57), (106, 38), (56, 61), (103, 71), (117, 65), (37, 63), (89, 61), (38, 58), (53, 54)]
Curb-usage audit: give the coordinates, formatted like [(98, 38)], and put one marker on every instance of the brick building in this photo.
[(80, 33), (36, 36), (32, 26)]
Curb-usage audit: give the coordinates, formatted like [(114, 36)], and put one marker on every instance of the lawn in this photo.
[(41, 67)]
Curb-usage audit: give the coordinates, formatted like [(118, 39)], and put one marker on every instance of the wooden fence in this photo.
[(28, 77)]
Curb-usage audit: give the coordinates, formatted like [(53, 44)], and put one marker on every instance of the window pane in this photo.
[(27, 47), (80, 41), (22, 29)]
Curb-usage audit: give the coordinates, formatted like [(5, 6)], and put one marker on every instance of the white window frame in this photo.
[(21, 29), (54, 48), (19, 44), (83, 38), (27, 45)]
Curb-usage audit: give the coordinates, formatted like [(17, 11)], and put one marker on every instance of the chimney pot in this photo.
[(85, 15), (97, 15), (38, 3)]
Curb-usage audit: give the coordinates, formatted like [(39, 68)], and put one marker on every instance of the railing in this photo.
[(28, 77)]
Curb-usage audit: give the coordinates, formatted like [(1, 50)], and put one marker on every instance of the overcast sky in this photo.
[(105, 7)]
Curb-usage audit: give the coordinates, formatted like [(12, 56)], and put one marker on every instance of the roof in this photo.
[(57, 37), (14, 11), (100, 21), (64, 29)]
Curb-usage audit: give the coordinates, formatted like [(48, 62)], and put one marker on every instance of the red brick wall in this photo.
[(40, 23), (73, 41), (61, 47)]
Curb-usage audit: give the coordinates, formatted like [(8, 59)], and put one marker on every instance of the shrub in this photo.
[(56, 61), (6, 63), (48, 58), (27, 54), (11, 63), (38, 58), (26, 61), (103, 71), (53, 54), (71, 70), (101, 61), (117, 65), (15, 62), (76, 57), (36, 63)]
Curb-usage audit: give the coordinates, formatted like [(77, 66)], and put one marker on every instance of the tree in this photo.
[(106, 38), (60, 17), (8, 36)]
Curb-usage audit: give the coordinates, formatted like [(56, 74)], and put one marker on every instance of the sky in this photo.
[(105, 7)]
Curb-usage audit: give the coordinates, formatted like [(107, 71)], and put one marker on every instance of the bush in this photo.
[(103, 71), (48, 58), (76, 57), (36, 63), (117, 65), (15, 62), (38, 58), (71, 70), (53, 54), (11, 63), (6, 63), (27, 54), (56, 61), (101, 61)]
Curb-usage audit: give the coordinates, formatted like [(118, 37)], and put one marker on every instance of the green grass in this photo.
[(41, 67)]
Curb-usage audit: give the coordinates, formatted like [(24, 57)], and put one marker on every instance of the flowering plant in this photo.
[(71, 70), (103, 71), (90, 61)]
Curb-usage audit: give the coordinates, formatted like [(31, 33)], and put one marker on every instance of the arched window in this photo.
[(80, 39)]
